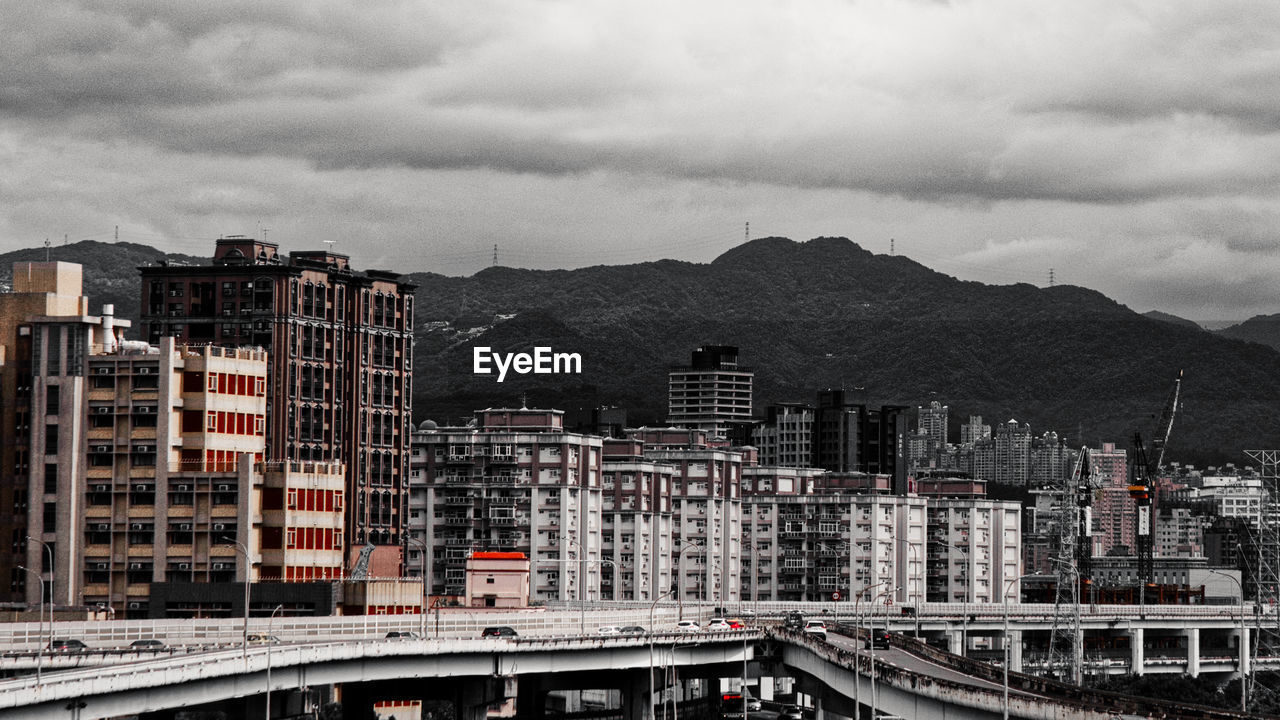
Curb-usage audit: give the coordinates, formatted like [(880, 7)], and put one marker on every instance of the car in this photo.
[(877, 639), (633, 630), (687, 626), (816, 627), (753, 704), (146, 645), (609, 630), (499, 631), (790, 712), (402, 635), (735, 624), (794, 621), (67, 645), (262, 639), (717, 623)]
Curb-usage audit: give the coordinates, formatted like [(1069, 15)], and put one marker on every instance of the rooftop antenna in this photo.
[(890, 246), (748, 234), (495, 254), (64, 239), (330, 244), (117, 233), (46, 249), (264, 234), (1050, 277)]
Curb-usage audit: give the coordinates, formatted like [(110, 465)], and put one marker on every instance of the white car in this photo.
[(816, 627), (609, 630), (717, 624), (688, 626)]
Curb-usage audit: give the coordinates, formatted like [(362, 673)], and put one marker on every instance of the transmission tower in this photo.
[(1066, 646), (1268, 569)]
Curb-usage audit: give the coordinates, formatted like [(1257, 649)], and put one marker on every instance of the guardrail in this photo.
[(83, 682)]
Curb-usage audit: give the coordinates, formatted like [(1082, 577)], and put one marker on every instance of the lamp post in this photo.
[(1244, 684), (248, 568), (680, 574), (857, 644), (1008, 586), (40, 632), (49, 551), (882, 594), (910, 581), (270, 642), (422, 573), (649, 705)]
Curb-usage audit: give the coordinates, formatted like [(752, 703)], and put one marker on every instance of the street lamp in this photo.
[(422, 572), (680, 574), (910, 581), (49, 551), (964, 603), (1008, 586), (270, 642), (248, 568), (40, 635), (1244, 678), (857, 644), (649, 705), (882, 594)]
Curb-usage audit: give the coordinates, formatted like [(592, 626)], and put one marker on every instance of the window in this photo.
[(52, 395)]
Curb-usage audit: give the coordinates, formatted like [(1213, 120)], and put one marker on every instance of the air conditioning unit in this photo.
[(135, 566), (144, 448), (224, 488), (104, 410), (184, 566), (102, 527), (219, 526), (102, 448), (104, 371), (142, 488), (183, 488), (185, 526), (144, 371), (135, 606), (99, 566), (144, 410), (102, 488), (220, 566), (136, 526)]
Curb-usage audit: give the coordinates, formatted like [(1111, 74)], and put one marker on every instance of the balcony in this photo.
[(459, 500)]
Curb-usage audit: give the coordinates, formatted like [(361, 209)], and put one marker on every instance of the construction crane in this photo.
[(361, 569), (1084, 482), (1142, 473)]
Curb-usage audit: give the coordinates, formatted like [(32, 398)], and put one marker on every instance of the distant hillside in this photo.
[(1166, 317), (823, 313), (1263, 329)]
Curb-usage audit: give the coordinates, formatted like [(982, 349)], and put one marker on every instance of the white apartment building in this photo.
[(513, 481), (638, 525), (975, 549)]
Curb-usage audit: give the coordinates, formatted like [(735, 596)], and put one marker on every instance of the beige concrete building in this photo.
[(497, 579)]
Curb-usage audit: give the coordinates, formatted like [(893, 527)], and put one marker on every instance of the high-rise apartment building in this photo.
[(340, 344), (40, 292), (638, 523), (813, 535), (975, 548), (712, 393), (513, 481), (851, 437), (785, 438)]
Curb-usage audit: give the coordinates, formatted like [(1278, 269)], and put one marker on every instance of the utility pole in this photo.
[(495, 255)]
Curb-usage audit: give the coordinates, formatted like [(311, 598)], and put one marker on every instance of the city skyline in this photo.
[(1127, 147)]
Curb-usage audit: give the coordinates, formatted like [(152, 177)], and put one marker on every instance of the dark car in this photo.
[(877, 639), (794, 621), (632, 630), (498, 631), (67, 645), (791, 712), (146, 645), (402, 635)]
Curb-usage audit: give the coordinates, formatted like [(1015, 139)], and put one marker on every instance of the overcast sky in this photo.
[(1133, 147)]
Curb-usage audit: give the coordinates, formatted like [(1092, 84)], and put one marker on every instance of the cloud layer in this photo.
[(1132, 144)]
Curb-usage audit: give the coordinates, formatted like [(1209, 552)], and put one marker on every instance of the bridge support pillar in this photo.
[(356, 702), (955, 642), (473, 698), (1137, 658), (1193, 651), (637, 703), (1015, 650), (818, 713), (531, 701)]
